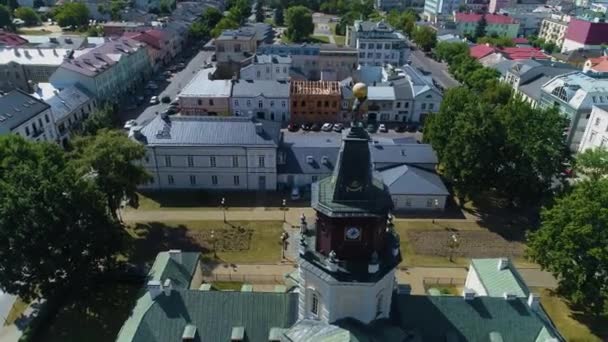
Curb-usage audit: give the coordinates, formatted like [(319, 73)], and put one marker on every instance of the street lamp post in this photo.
[(223, 205), (284, 237), (213, 244), (453, 243), (284, 208)]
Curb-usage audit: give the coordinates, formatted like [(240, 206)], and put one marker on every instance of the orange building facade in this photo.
[(315, 101)]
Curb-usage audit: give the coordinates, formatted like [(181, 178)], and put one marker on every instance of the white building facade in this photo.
[(27, 116), (267, 67), (264, 100), (596, 132), (378, 43)]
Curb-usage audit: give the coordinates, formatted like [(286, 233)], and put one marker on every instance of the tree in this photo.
[(259, 11), (299, 23), (112, 157), (279, 18), (425, 37), (548, 47), (226, 23), (211, 17), (571, 244), (28, 15), (447, 51), (240, 11), (116, 7), (5, 18), (11, 4), (101, 118), (592, 163), (38, 3), (481, 79), (480, 29), (55, 231), (198, 31), (502, 41), (72, 14)]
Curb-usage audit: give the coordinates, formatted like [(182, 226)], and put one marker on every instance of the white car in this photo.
[(327, 127), (295, 194), (130, 124), (382, 128), (154, 100)]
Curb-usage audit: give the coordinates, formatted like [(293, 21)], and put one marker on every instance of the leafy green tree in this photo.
[(198, 31), (55, 231), (592, 163), (5, 18), (116, 8), (259, 11), (28, 15), (11, 4), (571, 244), (211, 17), (549, 47), (279, 17), (299, 23), (447, 51), (113, 157), (480, 29), (38, 3), (425, 37), (481, 79), (240, 11), (103, 117), (72, 14), (502, 41), (226, 23), (462, 66)]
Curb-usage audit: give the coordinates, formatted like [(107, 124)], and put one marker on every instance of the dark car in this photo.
[(172, 110), (306, 126), (293, 127), (371, 128), (165, 99), (213, 58), (316, 127), (401, 128), (411, 128)]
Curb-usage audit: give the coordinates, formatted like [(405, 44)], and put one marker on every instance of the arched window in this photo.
[(560, 92), (314, 304)]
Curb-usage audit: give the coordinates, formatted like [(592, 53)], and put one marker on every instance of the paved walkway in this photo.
[(412, 276)]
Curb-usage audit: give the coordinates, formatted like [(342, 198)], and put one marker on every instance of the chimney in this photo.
[(167, 287), (259, 129), (468, 294), (176, 255), (503, 263), (509, 296), (154, 288), (533, 301)]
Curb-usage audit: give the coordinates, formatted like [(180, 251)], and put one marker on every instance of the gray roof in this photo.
[(262, 31), (533, 89), (61, 41), (381, 93), (297, 160), (67, 101), (202, 86), (99, 59), (266, 88), (271, 59), (17, 107), (402, 152), (412, 180), (208, 131), (241, 34)]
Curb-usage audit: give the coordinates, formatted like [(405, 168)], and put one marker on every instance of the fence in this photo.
[(443, 281), (245, 278)]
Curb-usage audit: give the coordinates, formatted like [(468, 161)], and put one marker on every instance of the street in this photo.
[(146, 112), (438, 70)]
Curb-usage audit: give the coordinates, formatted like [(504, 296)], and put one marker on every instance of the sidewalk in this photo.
[(413, 276)]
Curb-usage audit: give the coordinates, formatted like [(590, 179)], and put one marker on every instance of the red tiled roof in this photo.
[(520, 40), (512, 53), (11, 39), (599, 64), (587, 32), (152, 37), (490, 18)]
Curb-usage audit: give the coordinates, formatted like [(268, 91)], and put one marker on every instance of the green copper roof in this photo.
[(179, 273), (497, 282), (213, 313)]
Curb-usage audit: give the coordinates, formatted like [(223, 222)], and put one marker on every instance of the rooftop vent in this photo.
[(509, 296), (167, 287), (533, 301), (503, 264), (259, 129), (2, 118), (154, 288), (189, 333), (468, 294), (238, 334), (205, 287), (310, 159), (325, 160), (247, 288), (176, 255)]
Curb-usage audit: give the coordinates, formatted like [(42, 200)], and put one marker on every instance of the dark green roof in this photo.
[(179, 273), (215, 314)]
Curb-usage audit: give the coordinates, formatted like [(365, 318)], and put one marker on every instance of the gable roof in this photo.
[(255, 88), (490, 18), (498, 281), (599, 64), (201, 86), (411, 180), (180, 273), (16, 107), (103, 57), (587, 32)]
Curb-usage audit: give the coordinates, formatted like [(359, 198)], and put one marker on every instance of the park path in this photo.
[(413, 276)]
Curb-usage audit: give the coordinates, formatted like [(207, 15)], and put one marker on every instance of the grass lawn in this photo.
[(319, 39), (33, 32), (227, 285), (16, 311), (571, 324), (236, 241), (94, 315), (340, 40)]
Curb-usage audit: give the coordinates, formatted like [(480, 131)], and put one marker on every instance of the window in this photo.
[(271, 103), (379, 46), (294, 104), (592, 136), (212, 161), (283, 104), (214, 180), (237, 181), (314, 304), (379, 304), (200, 102), (259, 74), (235, 161), (248, 103), (597, 121), (326, 104), (192, 180), (236, 103), (277, 70), (408, 202), (407, 104), (315, 178), (211, 102), (398, 104), (261, 161), (431, 105), (303, 103), (362, 46), (423, 106), (27, 131), (284, 70), (46, 118), (170, 179), (40, 122), (319, 104), (168, 161), (429, 203), (260, 104)]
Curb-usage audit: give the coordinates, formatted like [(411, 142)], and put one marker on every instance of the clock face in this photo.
[(353, 233)]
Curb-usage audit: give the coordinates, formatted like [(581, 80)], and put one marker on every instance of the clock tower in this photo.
[(349, 251)]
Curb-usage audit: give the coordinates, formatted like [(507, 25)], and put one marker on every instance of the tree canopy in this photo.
[(299, 23), (225, 23), (112, 156), (201, 28), (480, 29), (279, 16), (425, 37), (11, 4), (571, 244), (448, 51), (72, 14), (259, 11), (592, 163), (405, 21), (502, 41), (5, 18), (28, 15), (55, 231), (101, 118)]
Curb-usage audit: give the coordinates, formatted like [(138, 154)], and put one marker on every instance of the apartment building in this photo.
[(108, 71), (211, 153), (377, 42), (262, 99), (496, 24), (235, 45), (315, 101), (596, 132), (554, 29), (204, 96), (27, 116), (266, 67), (585, 34)]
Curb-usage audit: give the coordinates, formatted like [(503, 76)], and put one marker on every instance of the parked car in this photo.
[(152, 85), (306, 126), (295, 194), (338, 127), (382, 128), (154, 100), (327, 127), (181, 65), (172, 110), (411, 128), (140, 99), (213, 58), (293, 127), (166, 99), (315, 127), (371, 128), (401, 128), (130, 124)]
